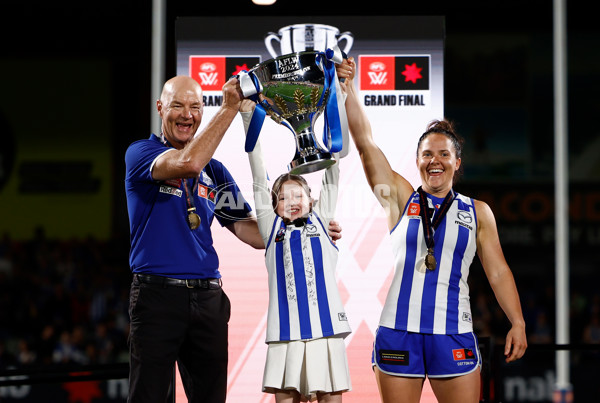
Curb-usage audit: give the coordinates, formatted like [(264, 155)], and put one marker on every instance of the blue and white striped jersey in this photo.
[(432, 301), (304, 300)]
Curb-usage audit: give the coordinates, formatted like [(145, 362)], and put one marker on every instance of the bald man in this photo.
[(178, 310)]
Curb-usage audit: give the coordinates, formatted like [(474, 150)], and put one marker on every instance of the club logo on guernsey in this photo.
[(206, 179), (280, 235)]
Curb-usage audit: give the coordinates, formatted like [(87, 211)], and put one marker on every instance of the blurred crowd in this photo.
[(66, 302), (63, 301)]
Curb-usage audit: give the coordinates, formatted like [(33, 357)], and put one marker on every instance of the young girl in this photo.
[(306, 322)]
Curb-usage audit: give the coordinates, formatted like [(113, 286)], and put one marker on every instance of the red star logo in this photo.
[(239, 69), (83, 391), (412, 73)]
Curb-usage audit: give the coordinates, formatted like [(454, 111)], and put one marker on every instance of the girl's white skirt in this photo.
[(309, 367)]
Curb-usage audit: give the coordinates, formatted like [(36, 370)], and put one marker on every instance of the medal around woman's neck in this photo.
[(430, 226)]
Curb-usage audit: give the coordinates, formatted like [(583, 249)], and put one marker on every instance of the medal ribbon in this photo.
[(429, 227), (189, 194)]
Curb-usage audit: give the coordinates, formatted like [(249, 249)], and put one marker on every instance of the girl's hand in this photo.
[(247, 105), (347, 69)]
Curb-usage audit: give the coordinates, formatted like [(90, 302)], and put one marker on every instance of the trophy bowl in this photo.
[(295, 95), (306, 37)]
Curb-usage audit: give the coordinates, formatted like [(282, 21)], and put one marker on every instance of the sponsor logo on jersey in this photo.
[(206, 193), (464, 219), (312, 230), (170, 190), (414, 209)]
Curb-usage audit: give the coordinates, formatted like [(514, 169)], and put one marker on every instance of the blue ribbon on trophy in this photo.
[(335, 133), (299, 115), (251, 87)]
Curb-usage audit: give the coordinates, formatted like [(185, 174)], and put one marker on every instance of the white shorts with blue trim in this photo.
[(402, 353)]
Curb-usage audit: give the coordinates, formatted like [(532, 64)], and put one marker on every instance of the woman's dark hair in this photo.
[(281, 180), (446, 128)]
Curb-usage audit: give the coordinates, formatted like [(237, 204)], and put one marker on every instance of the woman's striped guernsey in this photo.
[(432, 301)]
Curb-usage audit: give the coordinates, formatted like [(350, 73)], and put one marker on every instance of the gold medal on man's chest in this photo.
[(193, 220)]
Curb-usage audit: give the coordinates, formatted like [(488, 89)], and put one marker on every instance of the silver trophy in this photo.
[(295, 91), (307, 37)]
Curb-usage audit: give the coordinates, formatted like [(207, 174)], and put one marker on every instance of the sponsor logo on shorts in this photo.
[(393, 357), (461, 354), (342, 316)]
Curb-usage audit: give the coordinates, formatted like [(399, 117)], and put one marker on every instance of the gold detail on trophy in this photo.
[(299, 101), (314, 98), (280, 102), (274, 116)]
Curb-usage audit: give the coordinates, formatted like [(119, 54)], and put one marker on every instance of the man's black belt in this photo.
[(205, 283)]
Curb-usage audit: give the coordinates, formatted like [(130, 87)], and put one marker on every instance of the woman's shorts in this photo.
[(308, 367), (401, 353)]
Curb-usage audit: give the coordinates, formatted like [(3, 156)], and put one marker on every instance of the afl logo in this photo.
[(377, 66), (465, 216), (208, 67)]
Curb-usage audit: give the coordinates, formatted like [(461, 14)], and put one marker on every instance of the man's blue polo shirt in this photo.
[(162, 242)]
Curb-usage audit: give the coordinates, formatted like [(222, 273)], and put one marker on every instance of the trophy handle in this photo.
[(349, 40), (268, 39)]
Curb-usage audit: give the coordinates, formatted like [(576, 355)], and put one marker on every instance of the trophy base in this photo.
[(311, 163)]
